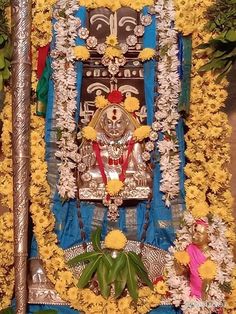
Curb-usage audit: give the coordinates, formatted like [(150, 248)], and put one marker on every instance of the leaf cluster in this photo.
[(5, 46), (122, 272), (222, 16), (222, 54)]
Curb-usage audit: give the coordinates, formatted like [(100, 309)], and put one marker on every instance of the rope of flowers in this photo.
[(207, 186), (64, 75), (41, 34), (6, 219), (115, 5), (166, 116)]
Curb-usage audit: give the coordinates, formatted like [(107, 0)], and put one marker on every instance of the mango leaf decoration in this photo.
[(123, 272), (221, 49)]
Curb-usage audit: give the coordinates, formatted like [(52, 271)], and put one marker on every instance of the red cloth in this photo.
[(42, 56)]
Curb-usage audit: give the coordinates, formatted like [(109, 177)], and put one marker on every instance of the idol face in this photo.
[(114, 123), (200, 235)]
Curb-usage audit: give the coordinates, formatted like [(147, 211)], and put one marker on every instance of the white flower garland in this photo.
[(64, 75), (166, 105), (219, 252)]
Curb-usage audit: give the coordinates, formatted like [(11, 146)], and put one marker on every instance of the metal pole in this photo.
[(21, 89)]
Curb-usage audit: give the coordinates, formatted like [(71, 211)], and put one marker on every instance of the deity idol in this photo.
[(113, 156), (197, 252)]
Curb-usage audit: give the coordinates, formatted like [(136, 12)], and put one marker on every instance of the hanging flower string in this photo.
[(64, 75), (207, 185), (6, 219), (166, 116)]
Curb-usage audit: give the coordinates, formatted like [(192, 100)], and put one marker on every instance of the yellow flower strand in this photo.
[(115, 5), (208, 183), (6, 219)]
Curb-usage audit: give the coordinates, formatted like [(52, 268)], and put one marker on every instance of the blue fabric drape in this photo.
[(67, 227)]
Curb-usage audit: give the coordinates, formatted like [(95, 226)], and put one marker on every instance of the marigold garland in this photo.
[(207, 186), (115, 5), (6, 199)]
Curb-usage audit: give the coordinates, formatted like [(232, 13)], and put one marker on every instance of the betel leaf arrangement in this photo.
[(5, 45), (114, 269), (221, 48)]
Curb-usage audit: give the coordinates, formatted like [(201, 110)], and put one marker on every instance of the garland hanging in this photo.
[(6, 219), (167, 101), (115, 5), (207, 186)]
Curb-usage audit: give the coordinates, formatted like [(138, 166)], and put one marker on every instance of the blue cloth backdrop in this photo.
[(67, 227)]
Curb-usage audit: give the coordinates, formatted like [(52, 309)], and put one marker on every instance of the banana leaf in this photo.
[(88, 272)]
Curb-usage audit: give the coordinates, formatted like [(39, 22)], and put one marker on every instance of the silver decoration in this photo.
[(83, 33), (121, 61), (139, 30), (21, 96), (149, 146), (153, 136), (124, 48), (146, 156), (91, 41), (145, 19), (101, 48), (81, 167), (113, 68), (131, 40)]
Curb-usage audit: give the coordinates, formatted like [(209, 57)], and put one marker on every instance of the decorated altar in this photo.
[(114, 181)]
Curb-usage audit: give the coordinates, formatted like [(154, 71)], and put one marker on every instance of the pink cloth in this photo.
[(196, 259)]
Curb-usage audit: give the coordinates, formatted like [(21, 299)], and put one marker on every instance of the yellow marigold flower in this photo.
[(142, 132), (124, 303), (144, 292), (200, 210), (111, 40), (146, 54), (113, 187), (81, 52), (101, 101), (89, 133), (131, 104), (154, 300), (112, 52), (161, 287), (208, 270), (46, 251), (182, 257), (114, 5), (72, 294), (137, 5), (115, 240)]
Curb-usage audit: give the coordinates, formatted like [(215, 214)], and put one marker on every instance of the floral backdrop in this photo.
[(207, 183)]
